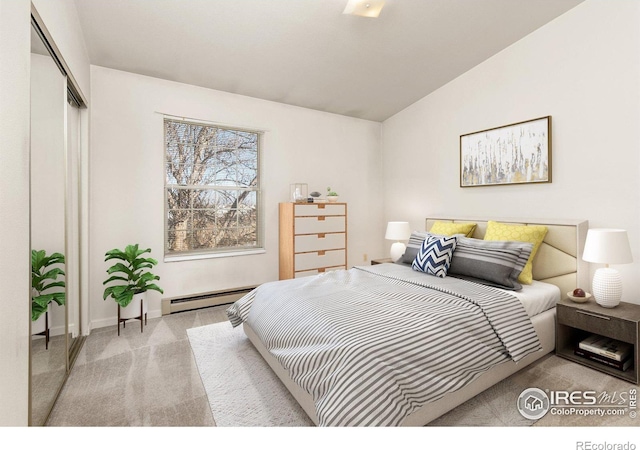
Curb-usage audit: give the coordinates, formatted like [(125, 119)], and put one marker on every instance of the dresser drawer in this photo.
[(320, 209), (593, 322), (309, 273), (315, 260), (320, 224), (321, 241)]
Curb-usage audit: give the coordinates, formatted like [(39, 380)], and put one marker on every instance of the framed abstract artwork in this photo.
[(512, 154)]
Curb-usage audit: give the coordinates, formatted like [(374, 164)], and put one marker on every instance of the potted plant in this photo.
[(44, 279), (133, 280), (332, 196)]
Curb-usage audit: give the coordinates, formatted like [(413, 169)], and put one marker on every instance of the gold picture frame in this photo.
[(519, 153)]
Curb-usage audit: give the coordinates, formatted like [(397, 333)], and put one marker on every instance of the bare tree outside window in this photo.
[(212, 188)]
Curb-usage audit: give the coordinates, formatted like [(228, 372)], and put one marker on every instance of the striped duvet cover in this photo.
[(374, 343)]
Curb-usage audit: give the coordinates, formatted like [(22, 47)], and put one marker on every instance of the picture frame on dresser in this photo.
[(519, 153), (577, 321)]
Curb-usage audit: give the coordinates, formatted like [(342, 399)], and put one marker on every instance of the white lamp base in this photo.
[(397, 250), (607, 287)]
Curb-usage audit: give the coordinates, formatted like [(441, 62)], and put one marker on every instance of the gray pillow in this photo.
[(413, 247), (494, 263)]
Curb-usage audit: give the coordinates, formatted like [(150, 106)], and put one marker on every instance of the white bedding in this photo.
[(537, 297)]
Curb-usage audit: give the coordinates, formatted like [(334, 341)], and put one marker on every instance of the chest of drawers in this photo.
[(313, 238)]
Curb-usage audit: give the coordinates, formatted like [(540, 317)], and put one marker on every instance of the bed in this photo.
[(370, 372)]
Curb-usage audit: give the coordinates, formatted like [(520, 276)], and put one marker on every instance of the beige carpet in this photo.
[(242, 389), (244, 392), (151, 379)]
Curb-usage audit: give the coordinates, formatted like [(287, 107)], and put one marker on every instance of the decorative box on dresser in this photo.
[(576, 321), (313, 238)]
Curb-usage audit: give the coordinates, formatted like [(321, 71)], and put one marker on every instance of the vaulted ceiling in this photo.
[(306, 52)]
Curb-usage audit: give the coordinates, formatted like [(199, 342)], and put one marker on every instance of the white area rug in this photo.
[(242, 389), (244, 392)]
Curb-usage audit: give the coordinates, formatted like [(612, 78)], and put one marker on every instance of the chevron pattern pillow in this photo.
[(435, 255)]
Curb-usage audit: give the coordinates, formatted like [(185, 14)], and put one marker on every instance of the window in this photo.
[(212, 189)]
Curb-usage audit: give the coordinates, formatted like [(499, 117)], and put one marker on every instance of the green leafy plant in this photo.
[(44, 278), (131, 273), (331, 193)]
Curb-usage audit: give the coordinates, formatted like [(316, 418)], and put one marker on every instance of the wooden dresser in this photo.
[(313, 238)]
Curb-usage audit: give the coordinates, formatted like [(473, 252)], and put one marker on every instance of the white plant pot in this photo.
[(39, 326), (132, 310), (332, 198)]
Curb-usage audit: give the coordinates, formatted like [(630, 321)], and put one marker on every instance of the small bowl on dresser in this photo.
[(575, 299)]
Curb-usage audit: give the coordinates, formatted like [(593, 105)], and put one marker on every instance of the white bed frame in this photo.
[(558, 261)]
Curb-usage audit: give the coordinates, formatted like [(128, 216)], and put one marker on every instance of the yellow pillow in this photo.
[(497, 231), (450, 228)]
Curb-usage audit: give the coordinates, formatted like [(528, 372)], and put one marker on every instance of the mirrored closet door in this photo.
[(48, 230), (56, 334)]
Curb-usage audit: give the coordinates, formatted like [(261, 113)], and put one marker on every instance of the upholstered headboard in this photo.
[(559, 258)]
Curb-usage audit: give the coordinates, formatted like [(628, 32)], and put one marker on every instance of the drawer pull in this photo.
[(321, 206), (321, 270), (321, 236), (321, 253), (586, 313), (320, 218)]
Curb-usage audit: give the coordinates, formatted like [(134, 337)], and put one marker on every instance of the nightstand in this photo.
[(381, 261), (576, 321)]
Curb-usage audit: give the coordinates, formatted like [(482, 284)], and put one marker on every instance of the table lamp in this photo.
[(397, 231), (607, 246)]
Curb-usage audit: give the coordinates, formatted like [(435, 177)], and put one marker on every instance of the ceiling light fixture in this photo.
[(364, 8)]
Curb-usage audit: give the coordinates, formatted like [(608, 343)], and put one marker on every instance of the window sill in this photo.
[(194, 257)]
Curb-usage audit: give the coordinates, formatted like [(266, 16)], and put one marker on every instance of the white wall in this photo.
[(127, 178), (14, 202), (583, 69)]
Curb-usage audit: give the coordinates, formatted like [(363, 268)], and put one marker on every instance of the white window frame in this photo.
[(223, 251)]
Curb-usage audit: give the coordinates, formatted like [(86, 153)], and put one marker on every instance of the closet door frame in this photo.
[(75, 215)]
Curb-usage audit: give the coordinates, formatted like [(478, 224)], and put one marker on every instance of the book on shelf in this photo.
[(605, 346), (620, 365)]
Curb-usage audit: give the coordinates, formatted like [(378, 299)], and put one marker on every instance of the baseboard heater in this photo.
[(204, 300)]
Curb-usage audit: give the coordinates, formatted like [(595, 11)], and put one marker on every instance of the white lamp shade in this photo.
[(607, 246), (398, 231)]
